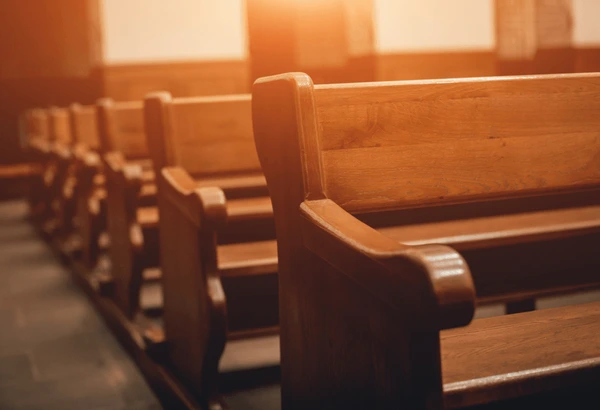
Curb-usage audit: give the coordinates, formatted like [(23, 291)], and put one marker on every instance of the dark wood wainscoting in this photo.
[(183, 79), (19, 94), (587, 60), (413, 66)]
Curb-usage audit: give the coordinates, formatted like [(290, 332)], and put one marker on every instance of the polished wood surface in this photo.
[(500, 229), (221, 126), (133, 229), (217, 254), (414, 126), (540, 351), (336, 154)]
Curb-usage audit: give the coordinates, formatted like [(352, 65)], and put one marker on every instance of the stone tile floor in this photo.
[(55, 351)]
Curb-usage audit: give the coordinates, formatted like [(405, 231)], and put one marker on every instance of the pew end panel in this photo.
[(195, 312), (123, 185), (132, 217), (214, 209)]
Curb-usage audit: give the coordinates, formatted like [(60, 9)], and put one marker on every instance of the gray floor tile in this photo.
[(55, 351)]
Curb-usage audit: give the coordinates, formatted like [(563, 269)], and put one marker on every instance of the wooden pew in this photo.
[(363, 310), (61, 152), (89, 190), (53, 151), (218, 256), (131, 209), (37, 143)]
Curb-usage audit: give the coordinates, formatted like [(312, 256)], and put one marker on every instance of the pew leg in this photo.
[(520, 306)]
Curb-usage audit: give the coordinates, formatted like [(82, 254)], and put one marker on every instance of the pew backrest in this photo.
[(60, 126), (37, 124), (84, 125), (397, 145), (206, 136), (121, 128)]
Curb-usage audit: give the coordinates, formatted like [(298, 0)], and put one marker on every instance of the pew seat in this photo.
[(531, 353), (499, 230), (235, 183), (252, 353), (147, 216), (243, 209), (518, 351), (247, 258)]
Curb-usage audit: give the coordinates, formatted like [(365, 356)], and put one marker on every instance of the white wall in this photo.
[(586, 23), (167, 30), (434, 25)]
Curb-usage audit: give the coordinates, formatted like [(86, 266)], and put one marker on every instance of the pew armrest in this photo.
[(131, 174), (433, 281), (203, 206), (242, 186)]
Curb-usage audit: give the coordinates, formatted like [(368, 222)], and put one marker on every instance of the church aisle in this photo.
[(55, 351)]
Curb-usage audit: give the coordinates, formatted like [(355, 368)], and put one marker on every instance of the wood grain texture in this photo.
[(501, 229), (544, 351), (130, 186), (214, 210), (521, 125), (213, 135), (248, 258)]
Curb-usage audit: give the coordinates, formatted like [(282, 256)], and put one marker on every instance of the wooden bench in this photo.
[(362, 313), (89, 190), (218, 256), (53, 151), (61, 152), (36, 131), (131, 207)]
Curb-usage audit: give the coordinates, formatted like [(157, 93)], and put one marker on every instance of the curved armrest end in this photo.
[(432, 284), (133, 175), (451, 283), (213, 207), (205, 206)]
